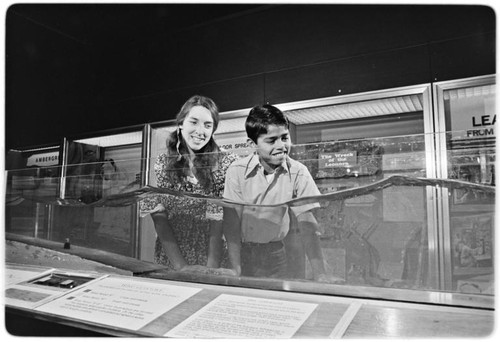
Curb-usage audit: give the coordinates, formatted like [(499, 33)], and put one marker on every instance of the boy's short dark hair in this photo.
[(261, 117)]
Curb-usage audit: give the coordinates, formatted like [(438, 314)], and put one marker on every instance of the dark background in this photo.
[(72, 69)]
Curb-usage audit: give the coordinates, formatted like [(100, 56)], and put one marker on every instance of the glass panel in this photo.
[(94, 174), (116, 226), (112, 171), (34, 175), (471, 153), (372, 225), (377, 234), (158, 146), (379, 237), (371, 219), (392, 116)]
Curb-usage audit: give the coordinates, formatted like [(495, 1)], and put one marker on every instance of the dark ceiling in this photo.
[(114, 25), (74, 69), (69, 58)]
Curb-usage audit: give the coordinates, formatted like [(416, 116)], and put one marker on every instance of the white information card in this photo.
[(118, 302), (230, 316)]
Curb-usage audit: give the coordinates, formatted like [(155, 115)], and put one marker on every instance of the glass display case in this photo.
[(468, 146), (115, 168), (406, 200), (32, 178), (66, 187)]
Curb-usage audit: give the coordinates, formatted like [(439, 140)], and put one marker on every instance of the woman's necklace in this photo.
[(191, 177)]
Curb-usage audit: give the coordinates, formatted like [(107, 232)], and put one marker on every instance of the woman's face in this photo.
[(197, 128)]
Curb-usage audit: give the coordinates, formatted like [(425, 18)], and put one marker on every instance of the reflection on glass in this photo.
[(37, 206), (471, 117), (373, 225)]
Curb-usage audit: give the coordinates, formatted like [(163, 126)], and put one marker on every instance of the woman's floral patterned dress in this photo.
[(188, 218)]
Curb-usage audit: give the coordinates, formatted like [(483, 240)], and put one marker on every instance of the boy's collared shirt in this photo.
[(247, 183)]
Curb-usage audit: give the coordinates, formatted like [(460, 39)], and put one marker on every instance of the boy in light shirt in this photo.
[(268, 177)]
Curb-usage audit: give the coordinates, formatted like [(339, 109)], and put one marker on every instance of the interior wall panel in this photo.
[(44, 84), (165, 105), (463, 57), (366, 73)]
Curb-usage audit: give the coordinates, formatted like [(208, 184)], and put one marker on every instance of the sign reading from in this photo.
[(337, 159)]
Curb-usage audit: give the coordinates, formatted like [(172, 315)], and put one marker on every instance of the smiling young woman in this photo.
[(190, 233)]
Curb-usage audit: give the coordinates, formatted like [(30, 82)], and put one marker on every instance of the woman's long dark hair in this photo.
[(205, 159)]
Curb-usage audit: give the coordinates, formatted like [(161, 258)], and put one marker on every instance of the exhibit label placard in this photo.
[(120, 302), (231, 316)]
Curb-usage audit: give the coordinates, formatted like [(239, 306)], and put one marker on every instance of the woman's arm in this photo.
[(231, 230), (168, 240), (230, 226), (215, 244)]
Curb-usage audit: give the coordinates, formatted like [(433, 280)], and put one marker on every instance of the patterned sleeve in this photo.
[(214, 212), (155, 202)]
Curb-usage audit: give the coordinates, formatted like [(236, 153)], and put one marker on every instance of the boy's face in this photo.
[(273, 147)]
